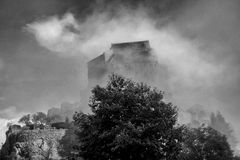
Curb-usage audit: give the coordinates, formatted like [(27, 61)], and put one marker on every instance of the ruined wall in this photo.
[(33, 144)]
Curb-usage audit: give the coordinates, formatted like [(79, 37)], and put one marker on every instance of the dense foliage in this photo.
[(129, 121), (38, 118), (205, 143)]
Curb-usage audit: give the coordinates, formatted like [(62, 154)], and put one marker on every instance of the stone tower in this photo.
[(131, 59)]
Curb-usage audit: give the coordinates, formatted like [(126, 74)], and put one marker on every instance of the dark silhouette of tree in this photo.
[(205, 143), (129, 121), (26, 119), (236, 158), (39, 118)]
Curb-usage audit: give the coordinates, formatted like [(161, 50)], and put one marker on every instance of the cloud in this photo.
[(188, 69), (9, 113), (70, 37), (199, 47), (1, 64), (55, 33)]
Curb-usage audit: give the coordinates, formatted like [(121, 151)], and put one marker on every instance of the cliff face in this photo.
[(33, 144)]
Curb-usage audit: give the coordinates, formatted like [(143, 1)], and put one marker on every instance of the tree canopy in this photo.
[(205, 143), (26, 119), (40, 118), (129, 120)]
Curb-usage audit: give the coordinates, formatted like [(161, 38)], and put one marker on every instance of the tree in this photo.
[(236, 158), (26, 119), (205, 143), (39, 118), (129, 120)]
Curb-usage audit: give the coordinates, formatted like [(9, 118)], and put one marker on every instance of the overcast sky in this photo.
[(44, 47)]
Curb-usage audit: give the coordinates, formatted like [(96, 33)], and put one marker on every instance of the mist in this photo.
[(192, 61), (197, 42)]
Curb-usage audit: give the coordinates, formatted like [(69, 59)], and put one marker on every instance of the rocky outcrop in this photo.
[(33, 144)]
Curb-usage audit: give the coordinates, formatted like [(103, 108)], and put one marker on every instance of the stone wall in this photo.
[(33, 144)]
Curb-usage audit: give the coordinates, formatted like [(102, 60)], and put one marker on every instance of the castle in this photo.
[(134, 60)]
